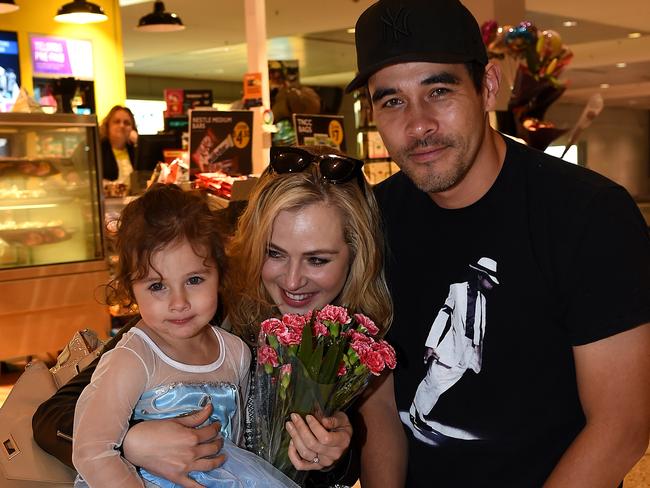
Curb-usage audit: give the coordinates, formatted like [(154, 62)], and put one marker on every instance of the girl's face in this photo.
[(119, 128), (178, 297), (307, 261)]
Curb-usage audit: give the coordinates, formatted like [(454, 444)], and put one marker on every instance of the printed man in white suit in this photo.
[(455, 341)]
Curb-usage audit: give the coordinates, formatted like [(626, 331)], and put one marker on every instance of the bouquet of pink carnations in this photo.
[(311, 364)]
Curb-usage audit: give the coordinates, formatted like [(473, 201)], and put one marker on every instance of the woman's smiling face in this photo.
[(308, 260)]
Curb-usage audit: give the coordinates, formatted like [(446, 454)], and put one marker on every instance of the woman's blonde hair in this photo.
[(103, 128), (365, 288)]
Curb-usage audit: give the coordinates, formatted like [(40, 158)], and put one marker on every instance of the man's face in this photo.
[(431, 119), (484, 283)]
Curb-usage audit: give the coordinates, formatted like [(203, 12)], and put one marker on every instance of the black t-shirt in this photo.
[(567, 255)]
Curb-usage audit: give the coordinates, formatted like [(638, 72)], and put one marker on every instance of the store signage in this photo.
[(197, 98), (313, 130), (9, 70), (221, 141), (59, 57), (253, 90), (174, 100)]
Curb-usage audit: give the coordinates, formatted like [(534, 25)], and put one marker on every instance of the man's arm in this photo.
[(383, 448), (613, 377)]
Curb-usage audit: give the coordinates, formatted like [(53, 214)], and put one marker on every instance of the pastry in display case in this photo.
[(51, 247)]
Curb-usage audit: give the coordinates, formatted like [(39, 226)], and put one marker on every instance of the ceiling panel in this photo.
[(315, 33)]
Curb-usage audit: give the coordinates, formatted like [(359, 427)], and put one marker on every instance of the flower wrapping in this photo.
[(317, 364)]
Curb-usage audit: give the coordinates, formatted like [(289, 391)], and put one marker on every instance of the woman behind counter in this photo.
[(118, 134)]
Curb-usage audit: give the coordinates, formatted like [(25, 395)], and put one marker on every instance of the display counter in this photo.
[(51, 248)]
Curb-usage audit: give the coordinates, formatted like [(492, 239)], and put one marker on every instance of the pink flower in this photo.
[(373, 360), (366, 323), (285, 375), (342, 369), (320, 329), (285, 369), (387, 352), (266, 355), (273, 327), (292, 333), (334, 314), (360, 342)]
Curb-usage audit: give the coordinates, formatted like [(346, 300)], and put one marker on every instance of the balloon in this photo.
[(489, 31), (549, 44), (498, 45), (520, 38)]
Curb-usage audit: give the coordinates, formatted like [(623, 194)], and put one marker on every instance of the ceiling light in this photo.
[(634, 35), (604, 85), (160, 21), (621, 65), (80, 12), (7, 6), (569, 23)]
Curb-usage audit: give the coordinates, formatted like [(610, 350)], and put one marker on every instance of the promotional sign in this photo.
[(313, 130), (9, 70), (174, 99), (282, 73), (197, 98), (220, 141), (59, 57), (252, 90)]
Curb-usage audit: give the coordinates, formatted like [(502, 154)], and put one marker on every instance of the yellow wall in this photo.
[(37, 17)]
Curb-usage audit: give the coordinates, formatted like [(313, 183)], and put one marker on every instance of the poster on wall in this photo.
[(313, 130), (197, 98), (174, 101), (281, 73), (252, 90), (57, 57), (9, 70), (221, 141)]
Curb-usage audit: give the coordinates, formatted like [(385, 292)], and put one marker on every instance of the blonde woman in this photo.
[(310, 236)]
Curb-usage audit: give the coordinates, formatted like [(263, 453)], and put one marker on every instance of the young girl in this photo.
[(173, 361)]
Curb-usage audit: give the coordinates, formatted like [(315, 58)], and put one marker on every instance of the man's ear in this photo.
[(491, 84)]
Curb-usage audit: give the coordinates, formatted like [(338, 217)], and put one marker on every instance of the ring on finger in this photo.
[(315, 460)]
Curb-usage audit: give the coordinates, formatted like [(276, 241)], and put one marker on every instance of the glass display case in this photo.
[(49, 200), (51, 223)]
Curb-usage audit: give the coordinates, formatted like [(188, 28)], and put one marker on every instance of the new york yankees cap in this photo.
[(402, 31)]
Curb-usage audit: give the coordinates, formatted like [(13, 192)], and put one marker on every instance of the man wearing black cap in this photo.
[(562, 397)]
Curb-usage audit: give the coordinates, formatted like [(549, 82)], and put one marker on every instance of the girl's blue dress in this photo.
[(242, 468)]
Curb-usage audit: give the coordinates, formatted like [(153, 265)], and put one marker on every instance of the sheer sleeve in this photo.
[(102, 416), (244, 372)]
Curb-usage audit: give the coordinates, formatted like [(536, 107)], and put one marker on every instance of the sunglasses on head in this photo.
[(334, 168)]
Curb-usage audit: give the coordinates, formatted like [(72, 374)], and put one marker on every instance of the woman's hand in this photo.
[(315, 445), (172, 448)]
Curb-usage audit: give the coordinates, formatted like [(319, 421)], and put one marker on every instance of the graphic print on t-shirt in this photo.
[(453, 346)]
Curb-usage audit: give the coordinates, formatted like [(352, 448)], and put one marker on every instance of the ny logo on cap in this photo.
[(396, 23)]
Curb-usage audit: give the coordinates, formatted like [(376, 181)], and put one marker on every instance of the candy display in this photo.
[(219, 184), (532, 61)]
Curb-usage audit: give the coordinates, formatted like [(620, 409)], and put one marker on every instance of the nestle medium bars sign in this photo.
[(221, 141)]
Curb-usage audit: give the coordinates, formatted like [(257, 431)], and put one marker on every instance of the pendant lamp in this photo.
[(80, 12), (7, 6), (159, 20)]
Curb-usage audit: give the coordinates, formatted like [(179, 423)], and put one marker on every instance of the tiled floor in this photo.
[(639, 477)]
